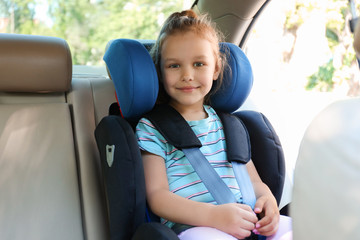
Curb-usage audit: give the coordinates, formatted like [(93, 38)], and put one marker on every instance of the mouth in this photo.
[(187, 88)]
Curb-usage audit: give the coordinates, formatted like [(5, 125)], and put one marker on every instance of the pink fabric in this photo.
[(204, 233), (207, 233), (285, 230)]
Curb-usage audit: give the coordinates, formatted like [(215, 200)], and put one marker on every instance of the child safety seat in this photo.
[(136, 83)]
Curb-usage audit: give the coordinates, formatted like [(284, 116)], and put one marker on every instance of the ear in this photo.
[(217, 70)]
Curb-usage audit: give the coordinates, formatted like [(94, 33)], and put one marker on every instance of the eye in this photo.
[(174, 65), (198, 64)]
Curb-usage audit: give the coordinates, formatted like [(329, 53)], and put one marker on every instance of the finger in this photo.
[(259, 205), (267, 226), (270, 215), (268, 229), (263, 222), (248, 214), (242, 233), (250, 217), (265, 233), (245, 207), (248, 225)]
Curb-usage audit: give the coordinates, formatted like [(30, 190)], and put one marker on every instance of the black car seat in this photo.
[(133, 73)]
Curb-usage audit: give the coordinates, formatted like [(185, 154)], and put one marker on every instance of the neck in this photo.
[(191, 113)]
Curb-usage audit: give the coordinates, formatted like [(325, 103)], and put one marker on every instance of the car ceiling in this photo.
[(234, 18)]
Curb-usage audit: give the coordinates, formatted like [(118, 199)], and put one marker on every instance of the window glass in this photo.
[(303, 59), (87, 25)]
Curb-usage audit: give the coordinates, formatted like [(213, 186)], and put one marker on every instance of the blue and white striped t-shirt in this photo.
[(182, 178)]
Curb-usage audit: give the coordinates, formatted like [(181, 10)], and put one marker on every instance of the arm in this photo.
[(266, 204), (235, 219)]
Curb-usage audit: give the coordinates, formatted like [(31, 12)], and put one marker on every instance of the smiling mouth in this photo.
[(187, 89)]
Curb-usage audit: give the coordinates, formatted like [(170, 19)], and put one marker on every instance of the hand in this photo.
[(267, 208), (235, 219)]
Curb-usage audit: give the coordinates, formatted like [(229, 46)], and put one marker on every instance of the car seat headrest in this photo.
[(134, 75), (136, 83), (30, 63), (237, 83)]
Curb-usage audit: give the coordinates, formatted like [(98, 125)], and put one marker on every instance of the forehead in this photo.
[(185, 44)]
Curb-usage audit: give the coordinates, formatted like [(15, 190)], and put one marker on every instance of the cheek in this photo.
[(167, 79), (206, 78)]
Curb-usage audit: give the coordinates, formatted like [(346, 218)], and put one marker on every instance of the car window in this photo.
[(303, 59), (87, 25)]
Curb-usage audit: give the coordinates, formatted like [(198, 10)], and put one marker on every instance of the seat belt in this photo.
[(245, 184), (235, 131), (213, 182)]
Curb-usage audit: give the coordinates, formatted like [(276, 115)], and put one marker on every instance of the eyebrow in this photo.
[(170, 59), (201, 57), (195, 58)]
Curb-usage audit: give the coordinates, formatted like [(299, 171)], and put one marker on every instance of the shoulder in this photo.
[(144, 123), (146, 127), (149, 138)]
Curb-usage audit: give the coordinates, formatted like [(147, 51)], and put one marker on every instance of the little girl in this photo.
[(188, 61)]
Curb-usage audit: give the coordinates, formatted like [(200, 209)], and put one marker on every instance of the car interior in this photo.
[(51, 177)]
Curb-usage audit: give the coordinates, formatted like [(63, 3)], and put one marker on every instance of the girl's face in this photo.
[(188, 68)]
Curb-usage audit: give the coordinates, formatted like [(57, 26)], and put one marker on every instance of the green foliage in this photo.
[(323, 79), (339, 39), (294, 17), (349, 59), (336, 25), (87, 25), (20, 13), (333, 38)]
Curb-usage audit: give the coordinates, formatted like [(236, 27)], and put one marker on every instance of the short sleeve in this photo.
[(149, 139)]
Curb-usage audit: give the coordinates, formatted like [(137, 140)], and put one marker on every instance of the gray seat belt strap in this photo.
[(245, 184), (215, 185), (211, 179)]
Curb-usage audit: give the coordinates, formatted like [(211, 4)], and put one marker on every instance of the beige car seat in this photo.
[(50, 184)]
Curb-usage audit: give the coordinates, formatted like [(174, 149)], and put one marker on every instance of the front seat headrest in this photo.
[(30, 63)]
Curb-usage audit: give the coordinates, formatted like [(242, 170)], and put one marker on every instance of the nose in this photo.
[(187, 74), (187, 78)]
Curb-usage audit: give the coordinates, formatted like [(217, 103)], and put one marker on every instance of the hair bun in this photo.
[(189, 13)]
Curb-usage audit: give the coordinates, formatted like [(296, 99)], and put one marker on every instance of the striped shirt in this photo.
[(182, 178)]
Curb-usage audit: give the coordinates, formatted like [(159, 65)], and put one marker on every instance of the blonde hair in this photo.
[(201, 25)]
